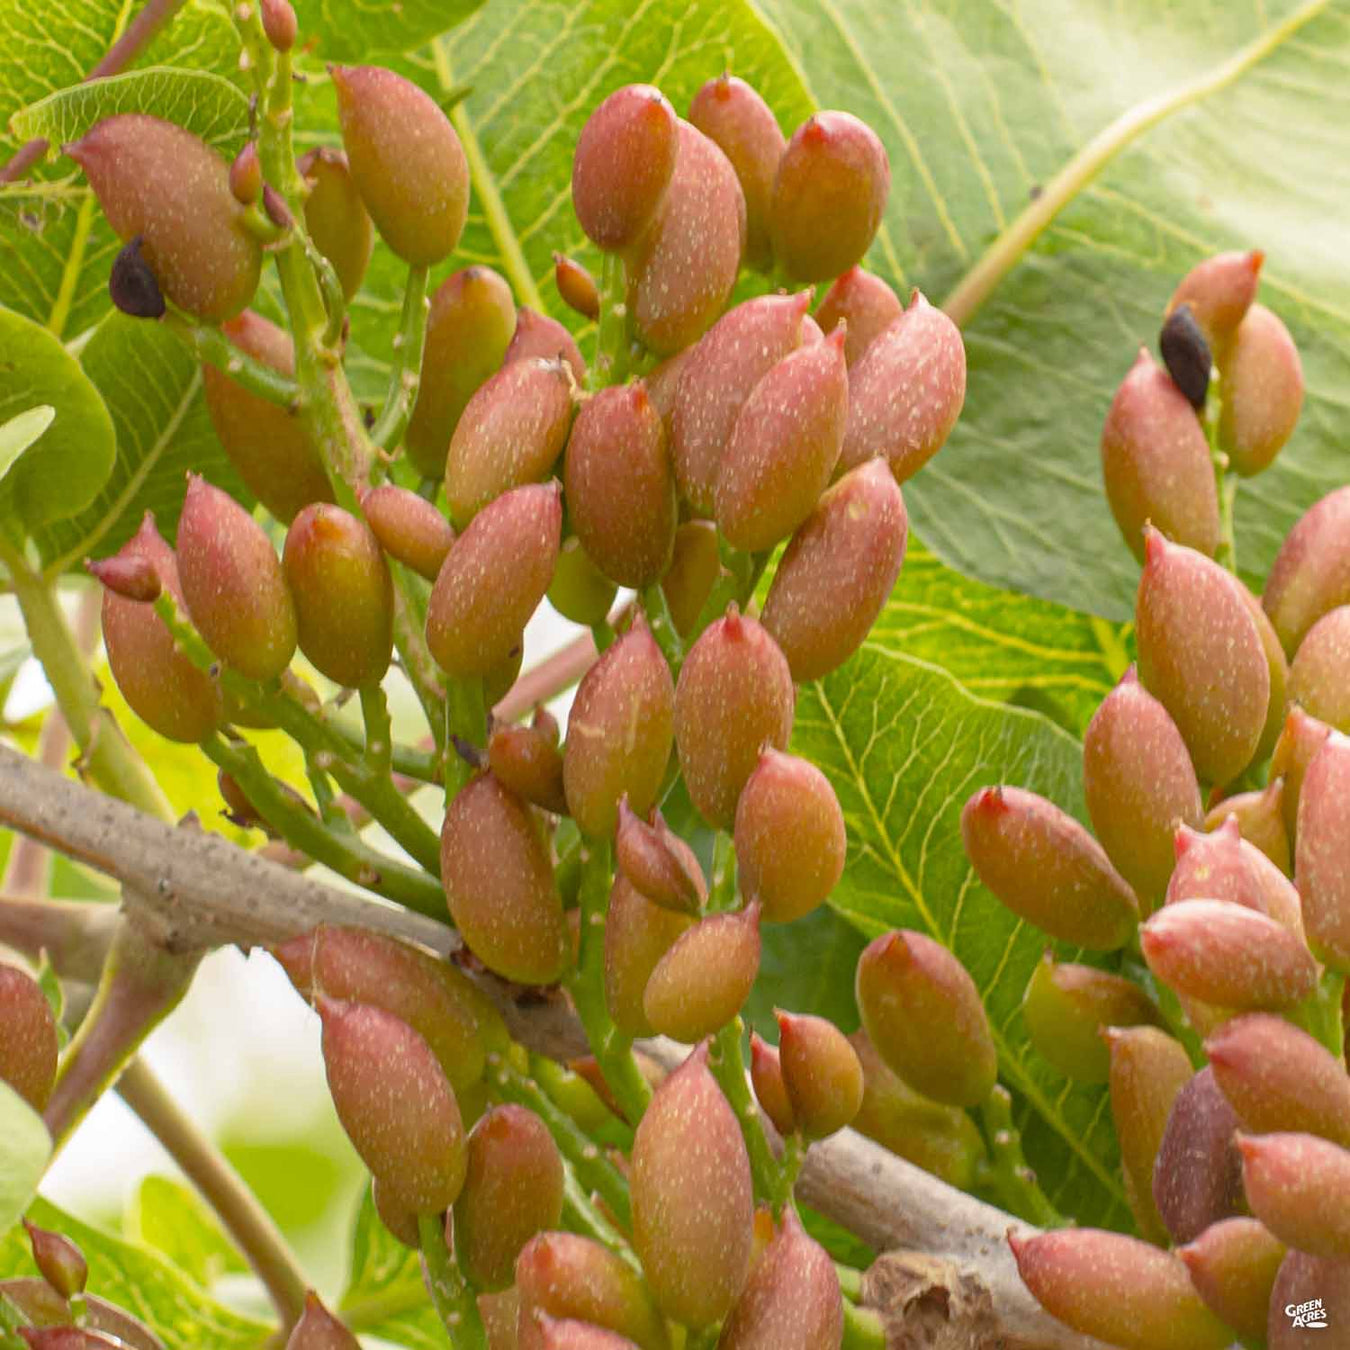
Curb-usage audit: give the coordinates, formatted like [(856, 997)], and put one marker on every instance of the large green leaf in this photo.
[(205, 103), (141, 1281), (345, 32), (904, 746), (59, 473), (173, 1219), (981, 103), (24, 1157), (17, 434), (152, 388)]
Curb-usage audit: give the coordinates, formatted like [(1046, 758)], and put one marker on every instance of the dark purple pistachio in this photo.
[(704, 978), (1197, 1175), (132, 286), (544, 338), (1156, 462), (733, 115), (336, 217), (1311, 573), (865, 304), (1262, 392), (409, 528), (1186, 355), (406, 161)]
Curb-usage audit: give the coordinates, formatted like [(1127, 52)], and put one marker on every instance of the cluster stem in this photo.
[(451, 1295)]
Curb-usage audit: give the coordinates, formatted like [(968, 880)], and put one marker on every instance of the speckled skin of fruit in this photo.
[(1311, 573), (703, 980), (1322, 858), (865, 304), (29, 1049)]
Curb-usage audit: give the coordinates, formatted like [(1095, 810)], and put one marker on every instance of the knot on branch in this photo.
[(929, 1302)]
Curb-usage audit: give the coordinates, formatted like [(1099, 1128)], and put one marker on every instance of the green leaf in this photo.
[(358, 32), (21, 431), (385, 1296), (59, 474), (152, 389), (142, 1282), (173, 1219), (904, 746), (981, 105), (207, 105), (55, 994), (23, 1159)]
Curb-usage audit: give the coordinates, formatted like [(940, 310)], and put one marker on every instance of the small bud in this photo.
[(1317, 677), (132, 286), (1156, 463), (1233, 1265), (246, 181), (1262, 392), (528, 763), (1046, 868), (573, 1335), (923, 1013), (1279, 1078), (702, 982), (1304, 1281), (716, 378), (789, 836), (694, 567), (1197, 1174), (1311, 573), (373, 1059), (682, 270), (906, 391), (580, 591), (1065, 1008), (275, 208), (1139, 783), (619, 732), (838, 571), (1320, 856), (1300, 739), (576, 286), (943, 1140), (733, 115), (511, 433), (828, 196), (266, 443), (164, 689), (1148, 1071), (336, 217), (638, 933), (409, 528), (406, 161), (783, 447), (128, 575), (1186, 355), (1118, 1289), (396, 1217), (1221, 865), (623, 164), (278, 21), (317, 1328), (499, 883), (442, 1005), (658, 862), (1260, 818), (572, 1277), (540, 337), (821, 1072), (233, 583), (865, 303), (492, 580), (693, 1207), (1200, 655), (513, 1189), (469, 327), (159, 182), (1219, 292), (766, 1077), (59, 1260), (1299, 1186), (791, 1300), (620, 487), (1227, 954), (344, 595), (734, 696)]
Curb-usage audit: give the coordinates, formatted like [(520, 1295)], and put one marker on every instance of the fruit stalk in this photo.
[(611, 343), (1225, 479), (208, 343), (451, 1296), (659, 620), (405, 371), (1018, 1188), (773, 1180)]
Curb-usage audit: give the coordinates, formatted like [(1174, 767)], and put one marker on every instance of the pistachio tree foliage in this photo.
[(931, 422)]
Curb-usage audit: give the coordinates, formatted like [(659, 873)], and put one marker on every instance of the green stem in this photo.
[(727, 1063), (107, 757), (850, 1282), (408, 760), (863, 1329), (406, 371), (344, 853), (594, 1171), (581, 1215), (379, 730), (611, 342), (451, 1296), (209, 345), (740, 575), (1320, 1013), (657, 610), (1017, 1185), (722, 892), (466, 715), (221, 1186), (613, 1050), (1226, 481), (410, 640)]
